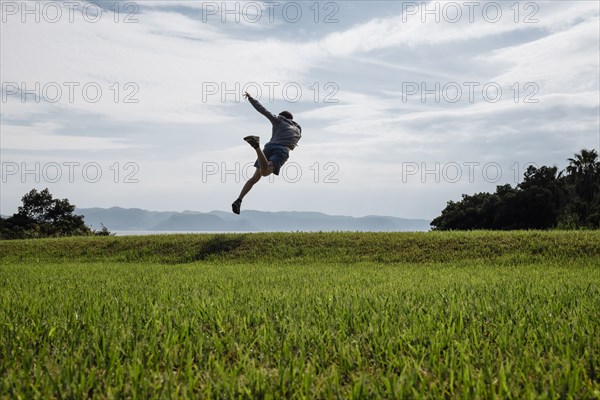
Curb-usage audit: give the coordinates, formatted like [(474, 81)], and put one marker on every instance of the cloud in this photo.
[(165, 59), (552, 60), (41, 136), (542, 68), (171, 130), (415, 26)]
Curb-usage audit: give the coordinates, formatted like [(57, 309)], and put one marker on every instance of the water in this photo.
[(143, 233)]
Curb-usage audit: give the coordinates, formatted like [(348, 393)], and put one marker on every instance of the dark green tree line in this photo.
[(547, 198), (42, 216)]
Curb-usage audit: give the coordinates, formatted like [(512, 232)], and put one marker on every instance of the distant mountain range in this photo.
[(135, 219)]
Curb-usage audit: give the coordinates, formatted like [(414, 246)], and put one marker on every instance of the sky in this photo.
[(403, 105)]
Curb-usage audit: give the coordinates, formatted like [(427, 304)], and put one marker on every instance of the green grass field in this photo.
[(302, 315)]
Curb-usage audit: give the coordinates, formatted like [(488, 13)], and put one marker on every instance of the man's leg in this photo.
[(254, 179), (249, 184), (266, 166)]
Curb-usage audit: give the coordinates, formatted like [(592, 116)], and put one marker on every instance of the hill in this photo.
[(486, 315), (380, 247), (132, 219)]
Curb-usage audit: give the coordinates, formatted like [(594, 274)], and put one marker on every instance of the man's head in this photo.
[(286, 114)]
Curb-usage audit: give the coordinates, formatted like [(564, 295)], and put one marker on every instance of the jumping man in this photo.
[(285, 136)]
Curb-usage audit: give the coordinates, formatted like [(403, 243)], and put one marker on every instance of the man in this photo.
[(284, 137)]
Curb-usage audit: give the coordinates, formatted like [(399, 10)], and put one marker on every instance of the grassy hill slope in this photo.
[(322, 247), (469, 315)]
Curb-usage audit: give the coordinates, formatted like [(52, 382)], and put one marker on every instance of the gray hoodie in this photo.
[(285, 131)]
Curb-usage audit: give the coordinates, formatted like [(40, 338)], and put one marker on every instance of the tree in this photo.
[(541, 197), (42, 216), (545, 199), (472, 212), (584, 170), (583, 174)]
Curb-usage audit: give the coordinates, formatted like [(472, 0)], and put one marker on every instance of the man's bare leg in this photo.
[(249, 184), (247, 187), (236, 205), (266, 166)]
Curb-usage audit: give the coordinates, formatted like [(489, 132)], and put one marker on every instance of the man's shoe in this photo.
[(235, 206), (254, 141)]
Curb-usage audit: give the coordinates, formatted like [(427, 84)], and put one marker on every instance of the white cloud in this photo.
[(169, 54), (416, 27), (552, 60), (166, 56), (41, 136)]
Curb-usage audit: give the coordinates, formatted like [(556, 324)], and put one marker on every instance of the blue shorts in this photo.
[(277, 154)]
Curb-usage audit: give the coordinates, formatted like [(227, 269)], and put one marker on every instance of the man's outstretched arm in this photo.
[(259, 107)]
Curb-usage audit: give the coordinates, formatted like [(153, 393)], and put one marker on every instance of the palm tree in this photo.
[(583, 172)]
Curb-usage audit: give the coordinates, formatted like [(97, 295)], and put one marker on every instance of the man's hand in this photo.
[(247, 96)]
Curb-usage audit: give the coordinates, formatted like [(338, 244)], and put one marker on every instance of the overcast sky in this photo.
[(403, 105)]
